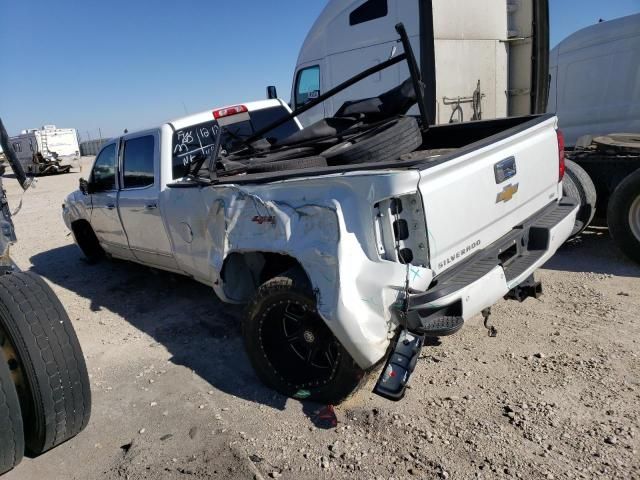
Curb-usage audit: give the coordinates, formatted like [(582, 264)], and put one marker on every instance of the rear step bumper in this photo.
[(505, 268), (466, 289)]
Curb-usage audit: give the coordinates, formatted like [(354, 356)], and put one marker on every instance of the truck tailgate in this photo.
[(469, 204)]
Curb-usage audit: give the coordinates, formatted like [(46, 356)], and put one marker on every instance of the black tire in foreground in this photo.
[(291, 348), (623, 216), (53, 384), (11, 434), (383, 143), (578, 185), (87, 241)]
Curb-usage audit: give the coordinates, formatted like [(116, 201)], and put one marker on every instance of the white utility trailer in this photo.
[(40, 151)]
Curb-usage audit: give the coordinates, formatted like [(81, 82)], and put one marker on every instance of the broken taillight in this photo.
[(561, 165)]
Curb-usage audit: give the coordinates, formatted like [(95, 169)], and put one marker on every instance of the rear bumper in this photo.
[(470, 287)]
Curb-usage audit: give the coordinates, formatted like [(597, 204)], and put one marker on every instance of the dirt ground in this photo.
[(555, 395)]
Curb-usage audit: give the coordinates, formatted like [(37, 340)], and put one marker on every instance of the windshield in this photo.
[(192, 142)]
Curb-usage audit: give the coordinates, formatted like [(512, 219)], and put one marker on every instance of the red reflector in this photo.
[(561, 165), (227, 112)]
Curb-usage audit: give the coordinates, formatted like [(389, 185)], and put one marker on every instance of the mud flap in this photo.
[(393, 381)]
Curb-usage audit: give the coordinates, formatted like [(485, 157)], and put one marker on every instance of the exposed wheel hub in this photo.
[(308, 336), (9, 355)]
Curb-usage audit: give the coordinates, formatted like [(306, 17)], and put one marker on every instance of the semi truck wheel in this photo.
[(49, 368), (383, 143), (291, 348), (11, 434), (577, 184), (623, 216), (87, 241)]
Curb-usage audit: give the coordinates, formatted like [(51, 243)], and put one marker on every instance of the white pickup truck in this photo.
[(350, 240)]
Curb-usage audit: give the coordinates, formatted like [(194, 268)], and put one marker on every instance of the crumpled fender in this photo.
[(354, 292)]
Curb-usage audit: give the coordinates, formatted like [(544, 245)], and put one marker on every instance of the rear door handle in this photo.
[(151, 206), (111, 206)]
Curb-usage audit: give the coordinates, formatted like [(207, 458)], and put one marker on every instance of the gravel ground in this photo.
[(555, 395)]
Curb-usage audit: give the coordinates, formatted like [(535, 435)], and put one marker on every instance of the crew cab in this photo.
[(350, 240)]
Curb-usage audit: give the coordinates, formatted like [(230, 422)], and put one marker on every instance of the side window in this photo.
[(368, 11), (137, 163), (103, 175), (307, 85)]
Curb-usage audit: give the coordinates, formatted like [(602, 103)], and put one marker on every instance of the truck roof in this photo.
[(207, 115), (598, 34)]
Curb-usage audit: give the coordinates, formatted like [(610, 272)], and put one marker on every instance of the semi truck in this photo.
[(479, 60), (594, 78)]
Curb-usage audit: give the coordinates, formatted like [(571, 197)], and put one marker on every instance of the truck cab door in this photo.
[(307, 87), (104, 219), (138, 200)]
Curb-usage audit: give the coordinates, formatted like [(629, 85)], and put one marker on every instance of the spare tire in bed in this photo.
[(291, 164), (382, 143)]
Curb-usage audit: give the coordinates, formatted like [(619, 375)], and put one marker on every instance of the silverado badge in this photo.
[(507, 193)]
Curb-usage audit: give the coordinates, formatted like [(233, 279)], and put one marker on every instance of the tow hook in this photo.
[(393, 381), (486, 314)]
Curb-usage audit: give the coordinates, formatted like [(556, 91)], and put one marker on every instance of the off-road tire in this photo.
[(56, 398), (11, 434), (347, 376), (578, 184), (292, 164), (623, 216), (385, 142), (87, 241)]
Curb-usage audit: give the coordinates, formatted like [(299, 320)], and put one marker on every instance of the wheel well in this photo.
[(78, 223), (243, 272)]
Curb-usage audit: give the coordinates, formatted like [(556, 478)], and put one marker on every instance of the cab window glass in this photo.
[(137, 162), (191, 142), (307, 85), (368, 11), (103, 175)]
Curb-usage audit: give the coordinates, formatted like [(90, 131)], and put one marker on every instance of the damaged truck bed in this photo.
[(350, 240)]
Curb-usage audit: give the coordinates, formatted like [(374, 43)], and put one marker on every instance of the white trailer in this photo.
[(479, 60), (41, 150)]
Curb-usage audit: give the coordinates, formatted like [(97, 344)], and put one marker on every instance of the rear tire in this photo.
[(383, 143), (578, 185), (88, 242), (623, 216), (54, 392), (11, 434), (291, 348)]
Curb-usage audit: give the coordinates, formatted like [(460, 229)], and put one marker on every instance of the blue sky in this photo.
[(131, 64)]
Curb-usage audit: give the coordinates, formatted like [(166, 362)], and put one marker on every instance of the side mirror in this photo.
[(84, 186), (272, 92)]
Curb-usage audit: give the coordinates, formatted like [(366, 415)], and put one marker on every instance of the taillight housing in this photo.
[(228, 111), (561, 165)]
